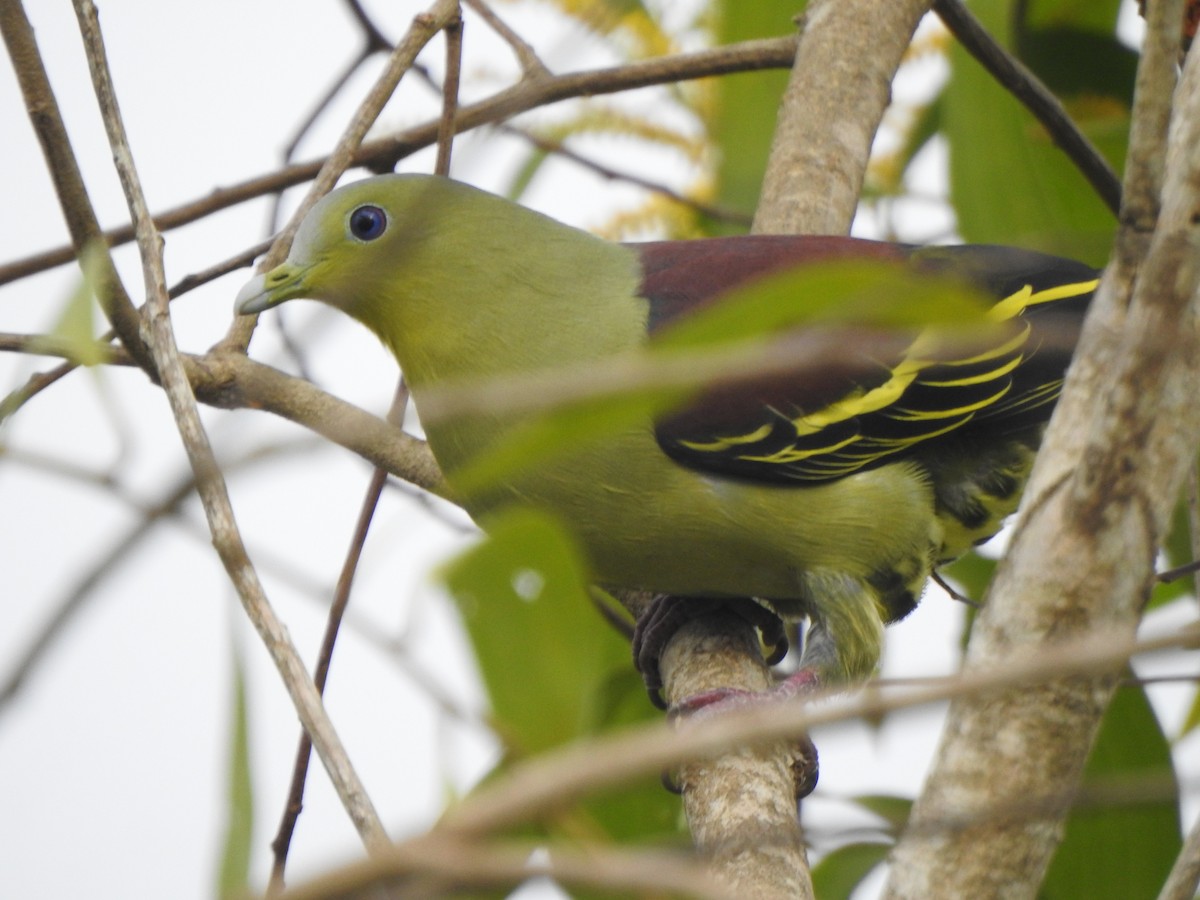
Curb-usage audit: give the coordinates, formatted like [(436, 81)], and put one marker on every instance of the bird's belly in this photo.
[(646, 522)]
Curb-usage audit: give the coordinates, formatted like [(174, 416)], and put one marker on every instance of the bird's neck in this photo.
[(560, 299), (565, 298)]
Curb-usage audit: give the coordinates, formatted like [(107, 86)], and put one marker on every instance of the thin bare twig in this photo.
[(294, 804), (437, 866), (560, 149), (63, 167), (373, 38), (64, 609), (292, 808), (1193, 511), (337, 610), (383, 153), (1185, 873), (39, 381), (533, 789), (210, 484), (446, 130), (197, 279), (949, 589), (322, 103), (531, 64), (420, 32), (1019, 81), (1190, 568), (373, 42)]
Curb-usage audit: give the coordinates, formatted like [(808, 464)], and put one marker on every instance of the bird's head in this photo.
[(457, 281), (353, 243)]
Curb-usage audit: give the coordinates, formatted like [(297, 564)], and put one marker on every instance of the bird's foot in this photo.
[(804, 761), (667, 614)]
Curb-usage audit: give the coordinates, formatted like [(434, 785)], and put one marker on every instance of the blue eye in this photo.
[(368, 223)]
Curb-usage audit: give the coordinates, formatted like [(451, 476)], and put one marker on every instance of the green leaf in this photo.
[(857, 292), (746, 105), (1192, 722), (233, 877), (1080, 63), (76, 325), (544, 652), (894, 810), (1009, 183), (573, 425), (1123, 850), (1101, 63), (525, 174), (1193, 719), (1098, 16), (837, 875), (553, 669), (642, 810)]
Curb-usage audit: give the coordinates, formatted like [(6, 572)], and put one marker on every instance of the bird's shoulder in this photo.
[(679, 278)]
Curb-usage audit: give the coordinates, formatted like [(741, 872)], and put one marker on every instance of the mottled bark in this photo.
[(1096, 510)]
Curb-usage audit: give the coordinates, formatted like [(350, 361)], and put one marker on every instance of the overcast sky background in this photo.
[(113, 755)]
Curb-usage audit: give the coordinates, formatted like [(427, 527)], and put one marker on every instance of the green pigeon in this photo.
[(825, 498)]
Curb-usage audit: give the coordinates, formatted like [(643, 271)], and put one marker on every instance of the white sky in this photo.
[(112, 758)]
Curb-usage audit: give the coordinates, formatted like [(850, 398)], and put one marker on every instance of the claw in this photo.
[(667, 614)]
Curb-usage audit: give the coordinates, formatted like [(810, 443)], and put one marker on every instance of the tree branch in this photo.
[(231, 381), (741, 804), (63, 167), (840, 86), (1185, 874), (210, 484), (1096, 509), (560, 149), (383, 154), (1026, 87), (439, 867), (530, 791), (282, 841)]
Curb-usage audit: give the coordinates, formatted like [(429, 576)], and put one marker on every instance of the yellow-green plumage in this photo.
[(462, 285)]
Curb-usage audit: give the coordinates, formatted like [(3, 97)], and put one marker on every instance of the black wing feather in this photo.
[(870, 408)]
